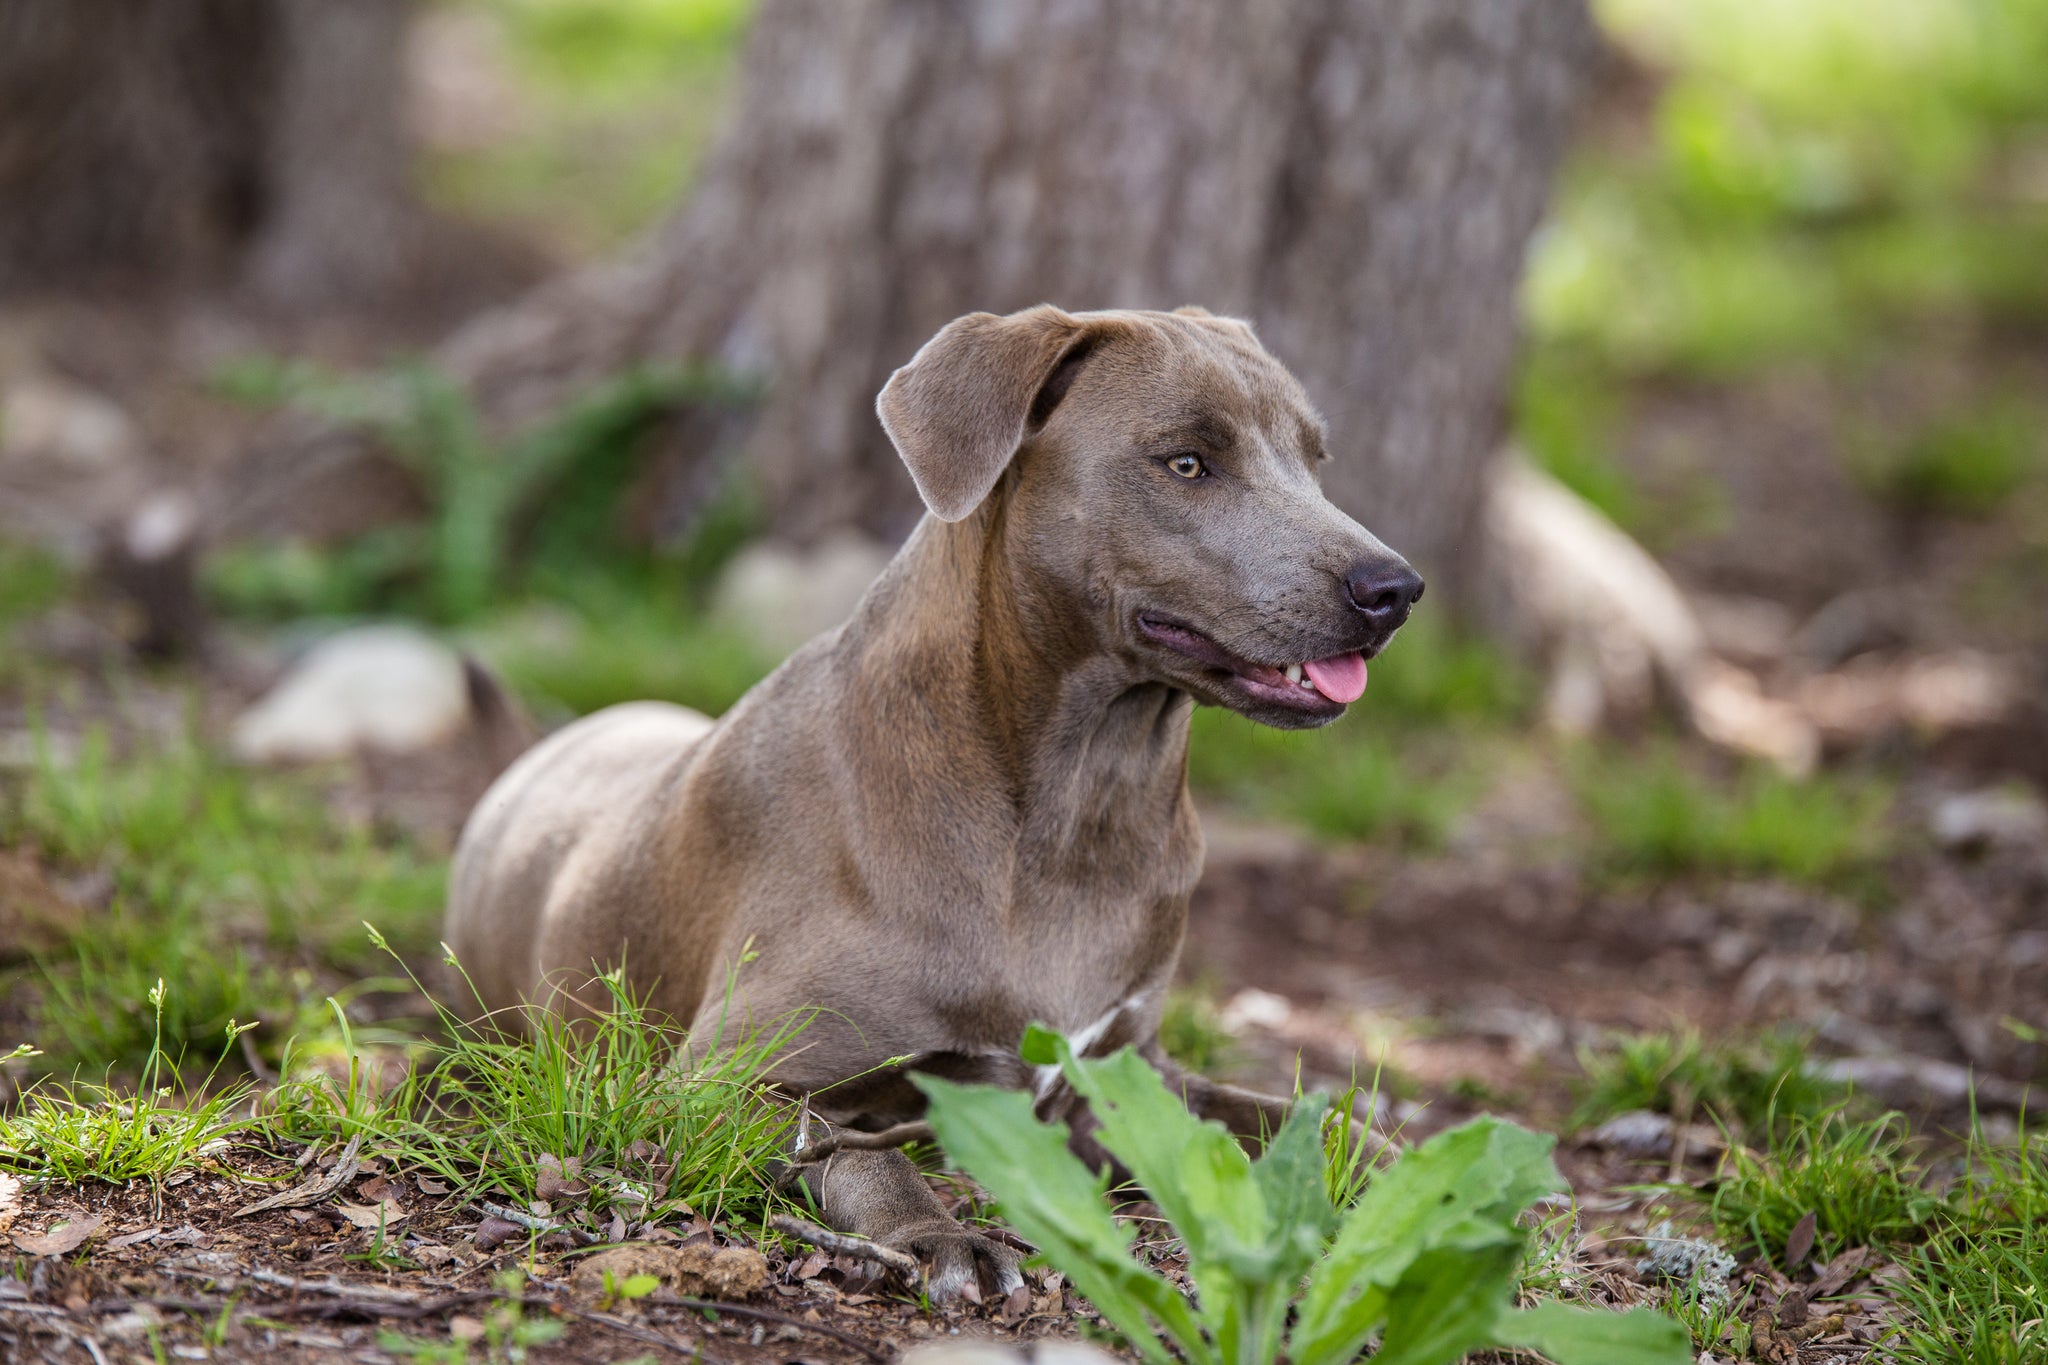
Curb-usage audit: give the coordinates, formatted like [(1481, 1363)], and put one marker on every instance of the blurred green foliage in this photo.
[(32, 580), (613, 106), (237, 888), (552, 492), (1656, 816), (1968, 463), (1748, 1086), (1817, 182), (1405, 763)]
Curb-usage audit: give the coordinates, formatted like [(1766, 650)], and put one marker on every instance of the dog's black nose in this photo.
[(1384, 590)]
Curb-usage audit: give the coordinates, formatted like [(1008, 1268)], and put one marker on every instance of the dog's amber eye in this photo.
[(1187, 466)]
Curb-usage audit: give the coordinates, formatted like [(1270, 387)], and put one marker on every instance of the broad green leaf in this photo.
[(1041, 1046), (1289, 1175), (1194, 1170), (1049, 1196), (1461, 1190), (1446, 1304), (1591, 1336), (1201, 1179)]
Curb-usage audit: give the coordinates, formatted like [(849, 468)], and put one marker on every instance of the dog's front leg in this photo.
[(880, 1195)]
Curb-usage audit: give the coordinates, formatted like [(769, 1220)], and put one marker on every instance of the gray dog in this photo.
[(966, 809)]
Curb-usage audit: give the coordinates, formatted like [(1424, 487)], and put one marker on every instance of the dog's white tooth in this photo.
[(1294, 674), (1307, 686)]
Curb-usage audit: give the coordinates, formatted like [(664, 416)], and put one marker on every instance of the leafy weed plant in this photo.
[(1425, 1261)]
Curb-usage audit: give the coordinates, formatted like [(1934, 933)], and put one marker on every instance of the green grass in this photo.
[(1974, 1245), (548, 495), (1713, 1317), (602, 640), (606, 1099), (1192, 1033), (1976, 1298), (1783, 204), (1858, 1178), (32, 580), (1747, 1087), (68, 1132), (1342, 782), (235, 887), (1655, 817), (1968, 463)]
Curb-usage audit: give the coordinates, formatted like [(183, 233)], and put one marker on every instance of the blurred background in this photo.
[(1697, 350)]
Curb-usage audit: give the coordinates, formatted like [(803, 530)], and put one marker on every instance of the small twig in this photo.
[(533, 1224), (853, 1140), (315, 1190), (641, 1334), (335, 1289), (845, 1244), (740, 1310)]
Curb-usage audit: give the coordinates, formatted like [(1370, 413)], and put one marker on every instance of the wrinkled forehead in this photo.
[(1205, 382)]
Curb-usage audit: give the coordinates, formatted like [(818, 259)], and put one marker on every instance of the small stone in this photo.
[(390, 688), (65, 428), (780, 596), (1638, 1133), (1969, 822)]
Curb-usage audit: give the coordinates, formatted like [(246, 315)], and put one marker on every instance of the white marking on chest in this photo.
[(1081, 1040)]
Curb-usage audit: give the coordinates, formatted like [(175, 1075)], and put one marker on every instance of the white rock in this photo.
[(68, 429), (781, 596), (1994, 816), (390, 688)]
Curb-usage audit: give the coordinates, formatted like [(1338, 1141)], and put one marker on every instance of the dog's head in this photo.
[(1164, 472)]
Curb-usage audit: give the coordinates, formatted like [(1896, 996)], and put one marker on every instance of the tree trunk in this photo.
[(341, 219), (201, 143), (1357, 177)]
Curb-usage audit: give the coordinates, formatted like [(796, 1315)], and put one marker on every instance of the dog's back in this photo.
[(569, 814)]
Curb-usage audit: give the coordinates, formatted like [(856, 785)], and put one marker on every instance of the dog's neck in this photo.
[(1024, 670)]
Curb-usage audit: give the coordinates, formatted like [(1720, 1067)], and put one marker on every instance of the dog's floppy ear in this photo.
[(959, 410)]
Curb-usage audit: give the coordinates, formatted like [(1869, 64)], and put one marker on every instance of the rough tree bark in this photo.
[(202, 142), (1358, 177)]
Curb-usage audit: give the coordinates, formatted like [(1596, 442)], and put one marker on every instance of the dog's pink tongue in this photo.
[(1341, 677)]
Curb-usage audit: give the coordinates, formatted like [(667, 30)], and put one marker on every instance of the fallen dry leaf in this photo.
[(378, 1189), (371, 1216), (61, 1240), (1838, 1272), (10, 1201), (136, 1238), (1799, 1242), (494, 1232)]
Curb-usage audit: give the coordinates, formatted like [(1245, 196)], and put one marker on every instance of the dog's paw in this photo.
[(960, 1264)]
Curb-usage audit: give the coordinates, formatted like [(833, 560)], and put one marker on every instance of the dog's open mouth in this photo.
[(1319, 686)]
